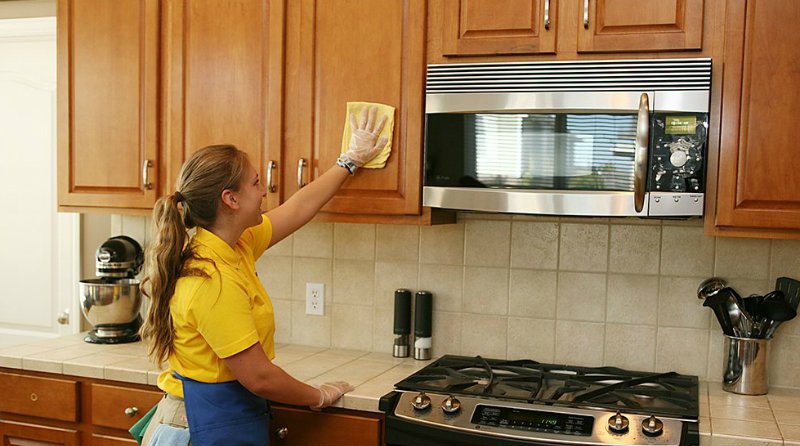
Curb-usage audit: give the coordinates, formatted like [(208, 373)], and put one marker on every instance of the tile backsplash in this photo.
[(619, 292)]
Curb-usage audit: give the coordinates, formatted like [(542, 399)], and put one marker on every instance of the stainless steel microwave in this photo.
[(583, 138)]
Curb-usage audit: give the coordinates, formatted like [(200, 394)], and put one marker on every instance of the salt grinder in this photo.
[(402, 323), (423, 307)]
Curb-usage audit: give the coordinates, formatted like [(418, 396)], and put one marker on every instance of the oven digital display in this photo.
[(533, 420), (681, 125)]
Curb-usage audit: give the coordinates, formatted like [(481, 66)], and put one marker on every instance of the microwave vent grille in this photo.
[(608, 75)]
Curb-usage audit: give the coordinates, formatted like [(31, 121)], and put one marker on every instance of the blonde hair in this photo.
[(201, 181)]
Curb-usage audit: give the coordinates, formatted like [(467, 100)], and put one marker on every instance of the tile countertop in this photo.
[(725, 419)]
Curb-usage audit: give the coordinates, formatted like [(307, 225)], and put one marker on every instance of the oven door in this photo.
[(558, 153)]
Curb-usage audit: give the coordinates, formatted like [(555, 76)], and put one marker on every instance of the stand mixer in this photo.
[(111, 303)]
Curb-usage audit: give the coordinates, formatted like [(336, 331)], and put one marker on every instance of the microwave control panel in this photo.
[(678, 152)]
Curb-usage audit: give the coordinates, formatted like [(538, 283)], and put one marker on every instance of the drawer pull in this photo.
[(34, 397), (282, 433), (131, 412)]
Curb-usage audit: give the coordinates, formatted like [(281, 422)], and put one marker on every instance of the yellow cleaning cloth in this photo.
[(357, 108)]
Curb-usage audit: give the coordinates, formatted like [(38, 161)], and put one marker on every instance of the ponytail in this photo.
[(163, 264), (201, 181)]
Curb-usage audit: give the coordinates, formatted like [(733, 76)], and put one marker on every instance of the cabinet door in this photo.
[(485, 27), (291, 426), (223, 68), (758, 181), (108, 154), (23, 434), (349, 50), (640, 25)]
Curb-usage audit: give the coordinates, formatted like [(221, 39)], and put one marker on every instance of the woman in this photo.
[(209, 316)]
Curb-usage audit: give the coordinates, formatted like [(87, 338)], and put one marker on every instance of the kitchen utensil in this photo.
[(709, 287), (402, 323), (776, 310), (741, 323), (790, 288), (112, 302), (423, 315), (718, 304)]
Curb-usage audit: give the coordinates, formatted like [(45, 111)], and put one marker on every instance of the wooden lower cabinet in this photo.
[(91, 412), (292, 426), (24, 434), (44, 409)]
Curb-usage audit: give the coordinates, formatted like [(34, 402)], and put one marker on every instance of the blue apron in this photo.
[(225, 413)]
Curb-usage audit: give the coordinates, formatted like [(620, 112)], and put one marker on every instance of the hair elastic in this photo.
[(178, 197)]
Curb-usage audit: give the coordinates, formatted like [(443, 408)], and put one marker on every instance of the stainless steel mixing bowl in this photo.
[(105, 302)]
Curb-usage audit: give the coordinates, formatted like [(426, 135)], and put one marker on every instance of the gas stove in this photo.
[(459, 400)]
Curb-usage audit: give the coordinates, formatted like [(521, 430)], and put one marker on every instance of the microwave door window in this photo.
[(531, 151)]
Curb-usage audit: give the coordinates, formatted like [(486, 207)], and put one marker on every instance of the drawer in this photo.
[(121, 407), (290, 426), (56, 399)]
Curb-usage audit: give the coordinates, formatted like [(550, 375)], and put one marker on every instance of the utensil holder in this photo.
[(746, 366)]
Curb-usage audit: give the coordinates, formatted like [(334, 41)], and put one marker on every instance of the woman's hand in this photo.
[(364, 143), (330, 392)]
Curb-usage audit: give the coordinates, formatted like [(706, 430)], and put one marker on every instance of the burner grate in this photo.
[(530, 381)]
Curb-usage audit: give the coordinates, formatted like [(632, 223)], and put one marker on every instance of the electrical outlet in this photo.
[(315, 299)]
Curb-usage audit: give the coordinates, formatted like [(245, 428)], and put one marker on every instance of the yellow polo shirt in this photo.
[(218, 316)]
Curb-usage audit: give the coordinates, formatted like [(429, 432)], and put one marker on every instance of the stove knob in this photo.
[(421, 401), (451, 404), (618, 424), (652, 426)]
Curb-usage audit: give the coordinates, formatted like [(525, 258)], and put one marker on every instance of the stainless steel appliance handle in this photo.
[(547, 14), (301, 165), (640, 156), (586, 14), (270, 168), (146, 165)]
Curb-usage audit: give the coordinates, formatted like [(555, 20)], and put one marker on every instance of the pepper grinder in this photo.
[(402, 323), (423, 307)]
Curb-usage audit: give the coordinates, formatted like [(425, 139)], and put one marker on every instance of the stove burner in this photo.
[(610, 388)]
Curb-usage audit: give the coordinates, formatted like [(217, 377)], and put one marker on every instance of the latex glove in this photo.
[(364, 143), (330, 392)]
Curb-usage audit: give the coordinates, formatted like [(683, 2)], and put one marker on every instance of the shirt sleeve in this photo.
[(222, 311), (258, 237)]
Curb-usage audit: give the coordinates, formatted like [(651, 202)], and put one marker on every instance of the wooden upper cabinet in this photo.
[(640, 25), (108, 147), (483, 27), (758, 181), (351, 50), (222, 71)]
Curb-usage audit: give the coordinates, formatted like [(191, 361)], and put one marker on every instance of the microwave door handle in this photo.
[(641, 154)]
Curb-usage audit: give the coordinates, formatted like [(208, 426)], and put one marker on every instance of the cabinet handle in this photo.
[(131, 412), (301, 166), (270, 185), (63, 317), (282, 433), (586, 14), (146, 165), (34, 397), (547, 14), (640, 156)]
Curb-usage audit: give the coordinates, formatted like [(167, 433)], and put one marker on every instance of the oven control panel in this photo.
[(535, 422)]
